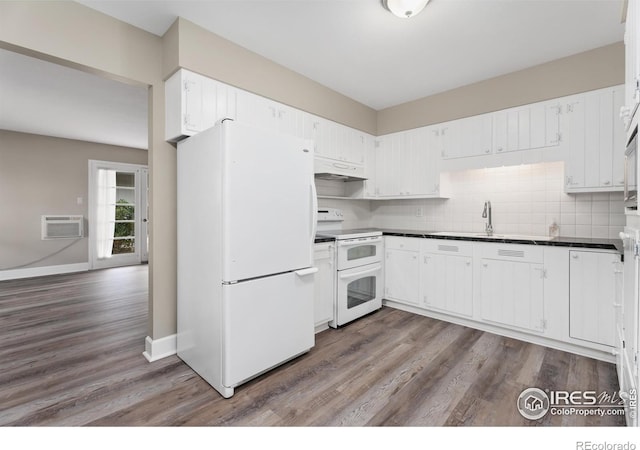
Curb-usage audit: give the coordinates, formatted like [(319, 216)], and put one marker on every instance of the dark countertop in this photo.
[(320, 238), (561, 241)]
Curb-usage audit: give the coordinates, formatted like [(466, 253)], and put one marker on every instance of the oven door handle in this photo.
[(350, 243), (346, 276)]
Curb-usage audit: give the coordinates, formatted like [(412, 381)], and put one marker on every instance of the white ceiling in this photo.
[(43, 98), (352, 46), (361, 50)]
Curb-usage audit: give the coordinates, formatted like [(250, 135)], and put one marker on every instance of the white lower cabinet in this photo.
[(549, 295), (512, 293), (592, 288), (446, 276), (325, 288), (512, 286), (402, 270)]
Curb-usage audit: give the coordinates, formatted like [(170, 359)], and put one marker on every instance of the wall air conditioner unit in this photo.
[(62, 227)]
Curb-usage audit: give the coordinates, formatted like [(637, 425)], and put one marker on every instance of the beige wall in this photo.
[(72, 34), (218, 58), (45, 175), (594, 69)]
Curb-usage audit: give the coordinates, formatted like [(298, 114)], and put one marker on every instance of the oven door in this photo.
[(359, 252), (359, 293)]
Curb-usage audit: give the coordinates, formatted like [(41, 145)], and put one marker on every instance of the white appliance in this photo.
[(358, 268), (627, 326), (246, 225)]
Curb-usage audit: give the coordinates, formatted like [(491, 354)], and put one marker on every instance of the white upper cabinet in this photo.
[(527, 127), (594, 141), (335, 141), (407, 165), (463, 138), (195, 103), (632, 61), (262, 112)]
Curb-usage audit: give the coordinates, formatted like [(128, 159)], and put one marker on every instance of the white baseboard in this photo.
[(156, 349), (15, 274)]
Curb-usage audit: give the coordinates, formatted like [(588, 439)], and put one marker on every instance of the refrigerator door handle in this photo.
[(305, 272), (314, 211)]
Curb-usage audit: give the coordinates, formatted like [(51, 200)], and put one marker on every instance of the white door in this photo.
[(265, 322), (116, 211), (269, 202)]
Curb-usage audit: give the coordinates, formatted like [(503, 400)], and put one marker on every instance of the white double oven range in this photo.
[(358, 267)]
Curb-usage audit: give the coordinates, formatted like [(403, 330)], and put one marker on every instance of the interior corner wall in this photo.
[(72, 34), (594, 69), (46, 175), (211, 55)]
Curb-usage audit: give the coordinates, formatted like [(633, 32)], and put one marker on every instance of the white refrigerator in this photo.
[(246, 224)]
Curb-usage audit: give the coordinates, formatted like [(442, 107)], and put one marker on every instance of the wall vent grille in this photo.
[(511, 253)]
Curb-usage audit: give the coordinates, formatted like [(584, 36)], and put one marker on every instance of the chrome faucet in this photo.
[(486, 214)]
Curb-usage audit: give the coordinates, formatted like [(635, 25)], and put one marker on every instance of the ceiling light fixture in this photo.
[(404, 8)]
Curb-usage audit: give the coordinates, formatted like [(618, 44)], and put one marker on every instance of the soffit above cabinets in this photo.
[(48, 99), (359, 49)]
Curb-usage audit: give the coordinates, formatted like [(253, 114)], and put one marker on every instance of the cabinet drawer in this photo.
[(513, 252), (447, 247), (402, 243)]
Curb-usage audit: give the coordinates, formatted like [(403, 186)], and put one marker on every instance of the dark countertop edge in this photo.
[(602, 244), (319, 240)]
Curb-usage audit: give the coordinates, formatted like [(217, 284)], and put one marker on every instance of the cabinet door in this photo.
[(193, 102), (447, 283), (388, 169), (353, 146), (416, 165), (402, 272), (449, 135), (619, 138), (591, 296), (573, 122), (289, 121), (370, 167), (475, 136), (324, 284), (512, 293), (256, 111)]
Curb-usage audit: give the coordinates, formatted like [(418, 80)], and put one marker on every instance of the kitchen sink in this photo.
[(518, 237)]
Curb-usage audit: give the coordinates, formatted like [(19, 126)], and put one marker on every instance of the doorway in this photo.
[(118, 214)]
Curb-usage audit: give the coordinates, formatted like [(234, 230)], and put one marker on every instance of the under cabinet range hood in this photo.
[(336, 170)]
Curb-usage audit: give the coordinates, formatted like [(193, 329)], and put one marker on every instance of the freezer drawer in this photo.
[(267, 321)]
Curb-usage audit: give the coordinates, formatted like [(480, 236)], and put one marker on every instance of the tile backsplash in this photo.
[(525, 199)]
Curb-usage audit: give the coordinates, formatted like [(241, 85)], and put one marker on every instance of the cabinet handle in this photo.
[(468, 263), (486, 150), (607, 183), (499, 149), (485, 264), (574, 256)]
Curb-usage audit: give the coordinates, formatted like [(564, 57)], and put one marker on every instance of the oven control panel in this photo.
[(330, 215)]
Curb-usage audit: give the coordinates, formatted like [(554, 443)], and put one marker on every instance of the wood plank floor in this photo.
[(71, 354)]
